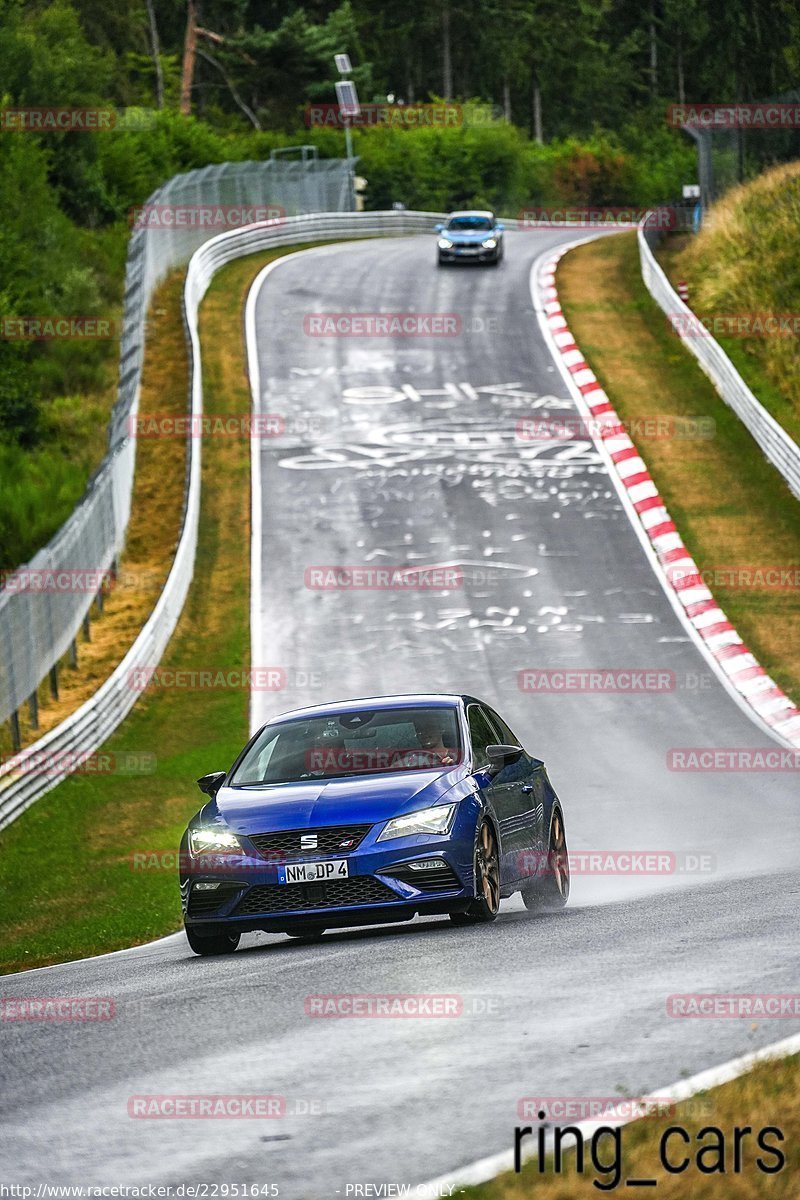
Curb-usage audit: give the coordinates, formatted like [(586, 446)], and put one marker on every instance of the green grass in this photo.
[(745, 260), (67, 861), (39, 487)]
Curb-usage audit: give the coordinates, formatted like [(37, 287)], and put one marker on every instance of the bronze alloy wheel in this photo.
[(486, 905), (558, 860), (487, 864), (551, 891)]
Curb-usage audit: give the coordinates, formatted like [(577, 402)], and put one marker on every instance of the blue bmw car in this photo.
[(371, 811), (471, 236)]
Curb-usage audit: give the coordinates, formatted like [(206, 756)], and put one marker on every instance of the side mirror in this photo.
[(499, 227), (438, 228), (502, 756), (210, 784)]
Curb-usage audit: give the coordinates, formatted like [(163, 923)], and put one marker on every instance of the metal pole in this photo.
[(16, 740), (348, 142)]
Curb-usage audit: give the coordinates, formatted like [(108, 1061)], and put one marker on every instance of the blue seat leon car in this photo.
[(371, 811)]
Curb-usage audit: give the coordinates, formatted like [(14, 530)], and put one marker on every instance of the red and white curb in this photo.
[(720, 640)]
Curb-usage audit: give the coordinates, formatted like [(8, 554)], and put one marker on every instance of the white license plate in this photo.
[(333, 868)]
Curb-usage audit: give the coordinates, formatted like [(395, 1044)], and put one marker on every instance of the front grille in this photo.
[(335, 893), (435, 879), (286, 843), (202, 904)]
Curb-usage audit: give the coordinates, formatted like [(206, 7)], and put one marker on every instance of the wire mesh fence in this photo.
[(43, 605), (737, 141)]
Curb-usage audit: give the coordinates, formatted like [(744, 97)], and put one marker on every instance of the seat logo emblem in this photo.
[(308, 841)]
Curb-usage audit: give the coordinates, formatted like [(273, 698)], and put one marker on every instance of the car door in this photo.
[(524, 800), (501, 791)]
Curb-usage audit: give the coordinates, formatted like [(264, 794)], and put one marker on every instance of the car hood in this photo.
[(466, 238), (317, 803)]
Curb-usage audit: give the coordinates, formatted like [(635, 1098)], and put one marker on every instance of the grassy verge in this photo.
[(56, 395), (731, 507), (744, 263), (68, 860), (767, 1096), (152, 533), (683, 260)]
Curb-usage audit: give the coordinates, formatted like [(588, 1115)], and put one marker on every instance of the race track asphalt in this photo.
[(404, 451)]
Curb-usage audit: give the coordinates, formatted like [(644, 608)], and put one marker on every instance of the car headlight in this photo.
[(213, 841), (490, 243), (445, 244), (438, 819)]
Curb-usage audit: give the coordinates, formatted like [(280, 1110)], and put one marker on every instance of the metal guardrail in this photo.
[(778, 447), (33, 772), (37, 627)]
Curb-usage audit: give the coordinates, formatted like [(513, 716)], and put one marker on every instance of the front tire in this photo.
[(486, 904), (550, 892), (211, 944)]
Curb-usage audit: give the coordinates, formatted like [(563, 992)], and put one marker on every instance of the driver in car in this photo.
[(432, 751)]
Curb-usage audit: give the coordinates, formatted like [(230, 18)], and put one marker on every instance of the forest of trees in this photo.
[(571, 95), (552, 67)]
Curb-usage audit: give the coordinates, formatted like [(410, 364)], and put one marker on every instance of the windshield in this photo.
[(470, 224), (352, 743)]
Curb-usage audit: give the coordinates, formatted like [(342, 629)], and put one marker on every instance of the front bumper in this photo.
[(468, 254), (380, 887)]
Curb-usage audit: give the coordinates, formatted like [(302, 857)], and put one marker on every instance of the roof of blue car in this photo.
[(372, 702)]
